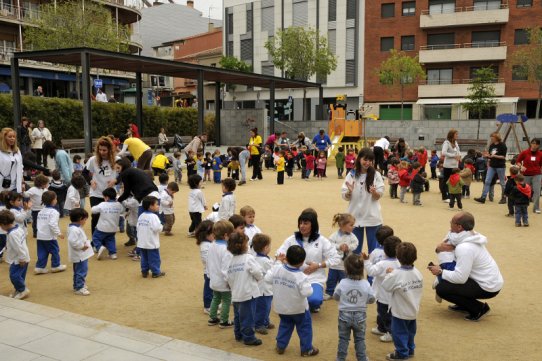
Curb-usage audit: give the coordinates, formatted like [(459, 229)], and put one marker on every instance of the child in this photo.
[(218, 261), (177, 167), (261, 244), (290, 291), (443, 188), (73, 197), (196, 203), (466, 176), (339, 162), (244, 273), (417, 183), (34, 194), (290, 162), (77, 166), (217, 166), (481, 167), (208, 167), (234, 166), (350, 160), (238, 223), (422, 157), (132, 208), (405, 284), (280, 163), (433, 164), (190, 163), (393, 177), (200, 165), (268, 157), (404, 179), (248, 213), (353, 310), (166, 206), (204, 238), (160, 163), (378, 272), (321, 164), (345, 242), (455, 186), (227, 205), (60, 189), (521, 195), (148, 238), (163, 179), (310, 159), (19, 208), (48, 232), (16, 254), (510, 185), (84, 191), (79, 250), (213, 216), (108, 224), (3, 234)]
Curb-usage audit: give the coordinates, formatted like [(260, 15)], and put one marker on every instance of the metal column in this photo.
[(201, 102), (218, 108), (272, 108), (87, 115), (139, 104), (321, 96), (16, 92)]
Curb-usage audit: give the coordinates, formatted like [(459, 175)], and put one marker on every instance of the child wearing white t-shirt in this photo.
[(79, 250), (148, 238)]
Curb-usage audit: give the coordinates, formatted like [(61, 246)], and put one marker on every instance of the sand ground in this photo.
[(173, 305)]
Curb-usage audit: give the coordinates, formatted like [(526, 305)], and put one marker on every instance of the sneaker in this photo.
[(130, 242), (255, 342), (22, 295), (270, 326), (113, 256), (490, 198), (395, 356), (168, 234), (509, 215), (386, 337), (327, 297), (60, 268), (157, 275), (206, 310), (40, 271), (279, 350), (525, 224), (457, 308), (213, 322), (475, 318), (315, 310), (226, 324), (537, 211), (480, 200), (132, 253), (136, 258), (503, 200), (241, 183), (145, 274), (81, 292), (376, 331), (518, 224), (100, 252), (309, 353), (191, 234), (446, 200), (438, 298), (262, 330)]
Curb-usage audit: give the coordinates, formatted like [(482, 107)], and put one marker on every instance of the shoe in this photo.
[(157, 275), (315, 310), (309, 353), (537, 211), (22, 295), (226, 324), (438, 298), (270, 326), (509, 215), (136, 258), (100, 253), (376, 331), (467, 197), (145, 274), (60, 268), (241, 183), (485, 310), (255, 342), (253, 179), (518, 224), (386, 337), (206, 310), (168, 234), (40, 271), (446, 200), (279, 350), (262, 330), (491, 199), (327, 297), (132, 253), (395, 356), (435, 283), (130, 242), (213, 322), (457, 308), (503, 200), (480, 200), (191, 234), (525, 224), (81, 292), (113, 256)]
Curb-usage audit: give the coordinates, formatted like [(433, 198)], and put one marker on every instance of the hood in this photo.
[(454, 179), (525, 189), (466, 237)]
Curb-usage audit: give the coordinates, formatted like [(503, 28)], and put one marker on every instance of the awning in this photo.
[(435, 101)]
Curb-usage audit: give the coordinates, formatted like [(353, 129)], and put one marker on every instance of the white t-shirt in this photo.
[(102, 175)]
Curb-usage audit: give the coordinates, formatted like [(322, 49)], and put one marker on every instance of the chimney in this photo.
[(190, 3), (211, 27)]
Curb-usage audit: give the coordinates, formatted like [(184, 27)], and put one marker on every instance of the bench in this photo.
[(465, 144)]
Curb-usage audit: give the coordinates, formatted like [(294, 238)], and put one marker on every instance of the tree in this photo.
[(481, 94), (526, 62), (75, 24), (400, 70), (232, 63)]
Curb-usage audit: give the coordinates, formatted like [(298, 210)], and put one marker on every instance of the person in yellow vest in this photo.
[(160, 163), (141, 152)]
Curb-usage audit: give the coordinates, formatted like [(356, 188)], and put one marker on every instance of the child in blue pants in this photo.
[(148, 238), (17, 254)]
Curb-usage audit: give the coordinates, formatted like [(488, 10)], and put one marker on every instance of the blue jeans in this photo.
[(303, 324), (207, 292), (17, 276), (490, 173), (383, 318), (334, 276), (403, 332), (355, 322), (2, 244), (106, 239), (80, 270), (150, 260), (243, 322), (46, 248), (372, 243), (262, 308), (131, 231), (521, 214), (317, 297), (243, 160)]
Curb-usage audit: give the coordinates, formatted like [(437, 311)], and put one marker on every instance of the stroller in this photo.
[(178, 143)]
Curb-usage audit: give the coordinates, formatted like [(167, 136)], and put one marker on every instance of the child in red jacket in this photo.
[(404, 179)]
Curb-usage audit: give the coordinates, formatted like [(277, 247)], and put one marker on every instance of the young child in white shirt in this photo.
[(196, 203), (345, 242), (227, 205), (353, 294), (19, 208), (378, 271), (243, 276), (148, 238), (163, 179), (248, 213), (79, 250), (166, 206), (73, 195), (204, 238), (291, 288), (48, 232), (405, 285), (238, 224), (104, 235), (16, 254), (177, 167), (261, 245), (131, 215), (41, 183)]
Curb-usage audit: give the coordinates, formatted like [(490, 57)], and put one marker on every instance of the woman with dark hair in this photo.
[(400, 147), (496, 154), (320, 254), (255, 148), (135, 182), (452, 156), (63, 161), (363, 189)]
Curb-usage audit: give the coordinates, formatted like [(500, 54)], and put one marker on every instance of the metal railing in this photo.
[(20, 13), (461, 9), (455, 81), (478, 44)]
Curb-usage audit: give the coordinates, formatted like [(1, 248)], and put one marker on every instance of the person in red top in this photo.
[(309, 159), (404, 179), (530, 161), (422, 158), (521, 195), (134, 130)]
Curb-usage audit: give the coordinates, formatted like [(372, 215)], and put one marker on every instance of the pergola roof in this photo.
[(147, 65)]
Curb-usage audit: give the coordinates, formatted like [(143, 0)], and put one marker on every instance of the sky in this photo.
[(204, 5)]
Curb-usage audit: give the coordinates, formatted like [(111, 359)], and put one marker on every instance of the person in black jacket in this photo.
[(509, 187), (135, 181), (23, 135), (521, 195), (417, 184)]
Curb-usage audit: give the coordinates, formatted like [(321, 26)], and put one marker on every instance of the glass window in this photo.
[(487, 4), (332, 10), (441, 41), (441, 6), (386, 43), (351, 9), (490, 113), (436, 112), (481, 39), (350, 73), (519, 73), (521, 36), (524, 3), (387, 10), (230, 24), (407, 42), (439, 76), (249, 21), (409, 8)]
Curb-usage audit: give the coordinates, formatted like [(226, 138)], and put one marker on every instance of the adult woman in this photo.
[(39, 135), (302, 141), (400, 147), (240, 154), (320, 254), (363, 189), (141, 152), (135, 182), (530, 161), (496, 154), (101, 167), (452, 156), (255, 148), (163, 140), (63, 161), (11, 162)]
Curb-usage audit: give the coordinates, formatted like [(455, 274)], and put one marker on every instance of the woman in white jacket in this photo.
[(320, 254), (11, 162), (39, 135), (452, 156)]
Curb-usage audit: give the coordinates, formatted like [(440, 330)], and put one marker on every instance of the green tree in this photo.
[(232, 63), (400, 70), (481, 94), (526, 62)]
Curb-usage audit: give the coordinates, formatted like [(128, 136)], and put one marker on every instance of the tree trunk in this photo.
[(479, 121), (402, 102), (304, 101)]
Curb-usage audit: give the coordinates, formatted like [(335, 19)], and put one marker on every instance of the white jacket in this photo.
[(102, 175), (11, 167), (48, 229), (362, 206), (148, 230), (204, 254), (227, 206), (196, 201), (166, 202), (250, 231), (20, 217), (449, 152), (405, 285), (39, 136), (34, 194), (16, 248), (266, 264), (243, 276), (110, 212), (218, 261), (77, 239), (291, 287), (132, 206), (337, 239), (378, 272), (73, 199)]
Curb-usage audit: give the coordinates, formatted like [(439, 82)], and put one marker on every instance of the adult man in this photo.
[(321, 142), (197, 144), (379, 148), (101, 96), (530, 161), (283, 142), (476, 274), (39, 92)]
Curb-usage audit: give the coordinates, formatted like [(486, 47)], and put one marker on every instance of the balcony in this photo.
[(452, 88), (446, 53), (465, 16), (18, 14)]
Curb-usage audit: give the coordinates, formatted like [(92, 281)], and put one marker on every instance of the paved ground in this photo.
[(34, 332)]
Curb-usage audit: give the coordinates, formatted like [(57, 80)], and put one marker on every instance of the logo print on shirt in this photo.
[(353, 296)]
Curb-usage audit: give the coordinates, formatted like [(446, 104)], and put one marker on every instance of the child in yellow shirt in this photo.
[(280, 167)]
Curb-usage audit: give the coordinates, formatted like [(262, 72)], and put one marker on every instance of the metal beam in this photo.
[(218, 108), (272, 108), (87, 114), (321, 96), (16, 92), (139, 104), (201, 102)]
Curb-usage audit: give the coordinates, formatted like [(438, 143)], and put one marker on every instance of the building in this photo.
[(453, 38)]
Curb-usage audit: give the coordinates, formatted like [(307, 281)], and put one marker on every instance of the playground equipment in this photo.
[(511, 120)]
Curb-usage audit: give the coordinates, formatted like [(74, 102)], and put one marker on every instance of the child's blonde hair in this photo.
[(221, 229), (404, 164), (342, 219), (246, 210)]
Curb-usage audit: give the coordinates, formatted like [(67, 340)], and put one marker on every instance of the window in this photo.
[(249, 21), (268, 19), (441, 6), (246, 50), (524, 3), (521, 36), (386, 43), (407, 42), (332, 40), (387, 10), (351, 9), (441, 41), (437, 112), (487, 5), (229, 48), (350, 74), (230, 24), (482, 39), (490, 113), (332, 10), (439, 76), (519, 73), (409, 8), (300, 13), (393, 112)]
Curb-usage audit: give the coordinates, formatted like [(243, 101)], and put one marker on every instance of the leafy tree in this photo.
[(232, 63), (526, 62), (481, 94), (400, 70)]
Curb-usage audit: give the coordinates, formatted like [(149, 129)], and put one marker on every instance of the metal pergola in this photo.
[(88, 58)]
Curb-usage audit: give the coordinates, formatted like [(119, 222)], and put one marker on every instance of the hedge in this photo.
[(64, 117)]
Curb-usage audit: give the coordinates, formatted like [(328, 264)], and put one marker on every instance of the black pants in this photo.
[(447, 173), (393, 190), (379, 157), (453, 198), (465, 190), (464, 295), (40, 158), (94, 201), (510, 204), (290, 171), (433, 172), (195, 217), (256, 169), (280, 177)]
